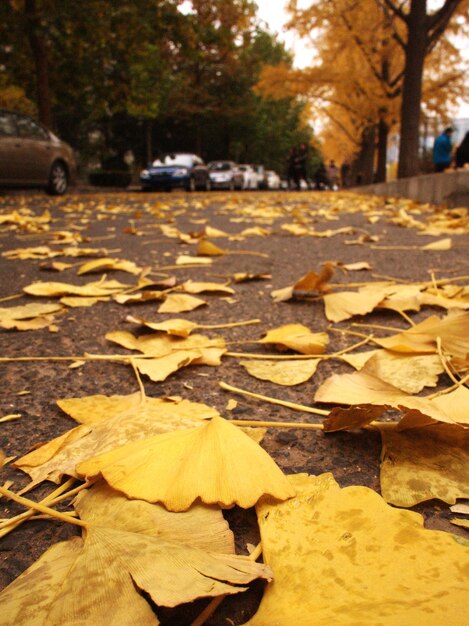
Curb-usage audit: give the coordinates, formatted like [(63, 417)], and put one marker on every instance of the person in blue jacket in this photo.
[(442, 150)]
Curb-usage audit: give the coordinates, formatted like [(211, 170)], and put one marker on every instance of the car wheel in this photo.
[(58, 179)]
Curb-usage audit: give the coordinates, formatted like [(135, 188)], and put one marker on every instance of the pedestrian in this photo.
[(333, 175), (291, 168), (344, 174), (442, 149), (302, 165), (320, 177), (462, 152)]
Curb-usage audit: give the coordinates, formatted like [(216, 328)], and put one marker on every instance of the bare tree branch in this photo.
[(397, 10), (438, 22)]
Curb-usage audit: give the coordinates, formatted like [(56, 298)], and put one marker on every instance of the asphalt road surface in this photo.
[(340, 228)]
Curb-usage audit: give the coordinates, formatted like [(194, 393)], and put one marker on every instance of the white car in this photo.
[(225, 175), (273, 179), (251, 179)]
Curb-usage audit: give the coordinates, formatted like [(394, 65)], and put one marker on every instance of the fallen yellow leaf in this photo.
[(209, 462), (343, 556)]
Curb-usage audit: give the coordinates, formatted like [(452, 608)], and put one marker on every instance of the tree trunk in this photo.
[(383, 131), (39, 50), (415, 52)]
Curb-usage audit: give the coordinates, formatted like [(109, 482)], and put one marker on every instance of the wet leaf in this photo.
[(344, 556), (420, 464)]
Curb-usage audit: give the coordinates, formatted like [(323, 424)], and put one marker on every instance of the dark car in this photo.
[(32, 156), (176, 171), (225, 175)]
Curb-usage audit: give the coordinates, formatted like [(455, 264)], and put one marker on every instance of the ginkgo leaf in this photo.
[(202, 526), (209, 462), (420, 464), (356, 267), (345, 304), (103, 578), (160, 367), (29, 598), (242, 277), (408, 373), (441, 244), (161, 345), (445, 300), (297, 337), (105, 264), (358, 359), (191, 286), (313, 282), (309, 285), (362, 388), (140, 296), (281, 372), (92, 409), (53, 289), (207, 248), (177, 327), (77, 301), (184, 259), (180, 303), (215, 232), (344, 556), (30, 316), (403, 298), (255, 231), (171, 573), (136, 419), (452, 330)]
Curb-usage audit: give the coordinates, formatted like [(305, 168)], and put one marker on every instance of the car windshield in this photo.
[(171, 160), (220, 166)]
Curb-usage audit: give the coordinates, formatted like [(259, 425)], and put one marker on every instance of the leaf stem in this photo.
[(37, 506), (290, 405)]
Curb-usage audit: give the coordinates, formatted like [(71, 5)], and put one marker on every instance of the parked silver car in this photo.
[(251, 179), (32, 156), (225, 175)]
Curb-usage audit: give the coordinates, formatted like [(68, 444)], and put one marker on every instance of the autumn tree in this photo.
[(358, 80), (423, 28), (355, 82)]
